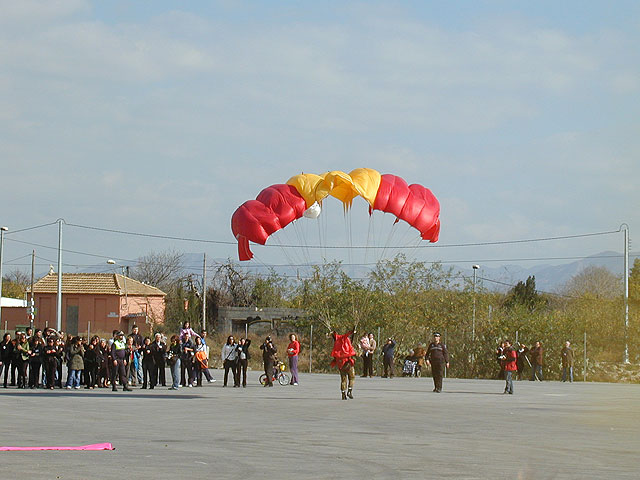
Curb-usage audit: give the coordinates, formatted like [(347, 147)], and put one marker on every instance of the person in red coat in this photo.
[(509, 359), (344, 359)]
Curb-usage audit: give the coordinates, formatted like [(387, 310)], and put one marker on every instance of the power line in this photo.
[(139, 234), (11, 232), (221, 242)]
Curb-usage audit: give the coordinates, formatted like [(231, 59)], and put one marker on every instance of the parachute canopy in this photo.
[(278, 205)]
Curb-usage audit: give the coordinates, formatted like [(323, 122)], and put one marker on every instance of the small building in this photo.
[(95, 303), (239, 320)]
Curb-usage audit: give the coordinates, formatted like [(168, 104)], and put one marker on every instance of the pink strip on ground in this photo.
[(95, 446)]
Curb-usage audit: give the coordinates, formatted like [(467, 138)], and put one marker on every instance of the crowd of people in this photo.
[(35, 359)]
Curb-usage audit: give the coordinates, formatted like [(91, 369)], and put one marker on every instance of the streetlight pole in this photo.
[(2, 230), (626, 291), (473, 321), (59, 293)]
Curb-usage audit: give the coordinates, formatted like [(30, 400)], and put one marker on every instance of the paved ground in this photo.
[(395, 428)]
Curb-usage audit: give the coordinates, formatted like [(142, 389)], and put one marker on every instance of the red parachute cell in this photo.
[(414, 204), (255, 220)]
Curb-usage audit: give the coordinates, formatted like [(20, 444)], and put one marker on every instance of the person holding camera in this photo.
[(243, 359), (388, 350), (229, 356), (269, 351)]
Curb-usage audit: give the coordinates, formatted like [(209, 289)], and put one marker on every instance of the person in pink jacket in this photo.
[(292, 352)]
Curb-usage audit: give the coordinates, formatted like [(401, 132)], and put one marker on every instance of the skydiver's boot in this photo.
[(344, 395), (350, 393)]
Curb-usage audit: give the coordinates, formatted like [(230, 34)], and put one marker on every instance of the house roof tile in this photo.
[(95, 283)]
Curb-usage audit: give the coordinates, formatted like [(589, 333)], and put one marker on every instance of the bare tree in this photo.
[(597, 281), (160, 269)]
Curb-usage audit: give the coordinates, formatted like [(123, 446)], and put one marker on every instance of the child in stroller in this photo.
[(411, 366)]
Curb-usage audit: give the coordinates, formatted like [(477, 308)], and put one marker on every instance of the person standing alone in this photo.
[(292, 352), (567, 362), (508, 359), (438, 357), (536, 361), (388, 350)]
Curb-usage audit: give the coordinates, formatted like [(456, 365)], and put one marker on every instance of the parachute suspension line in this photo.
[(283, 249), (389, 238), (406, 240), (369, 228), (304, 251), (412, 253), (347, 218)]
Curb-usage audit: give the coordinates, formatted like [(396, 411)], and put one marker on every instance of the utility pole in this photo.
[(473, 321), (59, 296), (2, 230), (32, 303), (204, 291), (626, 291)]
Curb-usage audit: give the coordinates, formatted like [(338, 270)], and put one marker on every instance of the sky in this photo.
[(163, 117)]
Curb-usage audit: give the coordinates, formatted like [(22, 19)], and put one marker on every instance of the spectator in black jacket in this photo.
[(159, 351), (50, 355), (243, 359), (91, 362), (268, 358), (35, 359), (148, 364), (388, 351), (6, 355)]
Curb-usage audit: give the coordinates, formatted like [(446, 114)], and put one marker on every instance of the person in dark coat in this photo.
[(537, 358), (567, 362), (6, 355), (50, 356), (159, 352), (35, 360), (120, 360), (91, 363), (186, 361), (268, 358), (149, 370), (523, 351), (243, 359), (438, 357), (388, 350)]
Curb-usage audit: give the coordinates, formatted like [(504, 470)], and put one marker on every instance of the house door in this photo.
[(72, 319)]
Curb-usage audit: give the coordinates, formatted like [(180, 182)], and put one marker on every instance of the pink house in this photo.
[(97, 303)]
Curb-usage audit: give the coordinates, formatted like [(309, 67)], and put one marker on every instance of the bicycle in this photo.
[(279, 375)]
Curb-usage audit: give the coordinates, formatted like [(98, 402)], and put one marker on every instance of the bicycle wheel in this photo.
[(283, 378), (263, 379)]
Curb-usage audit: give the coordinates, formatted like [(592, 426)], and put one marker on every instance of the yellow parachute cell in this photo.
[(367, 182), (345, 187), (306, 184)]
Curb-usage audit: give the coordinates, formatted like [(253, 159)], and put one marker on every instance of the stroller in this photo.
[(410, 368)]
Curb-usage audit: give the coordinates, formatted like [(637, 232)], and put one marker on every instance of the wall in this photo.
[(12, 317)]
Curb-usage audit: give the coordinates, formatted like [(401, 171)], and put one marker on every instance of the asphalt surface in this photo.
[(394, 428)]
